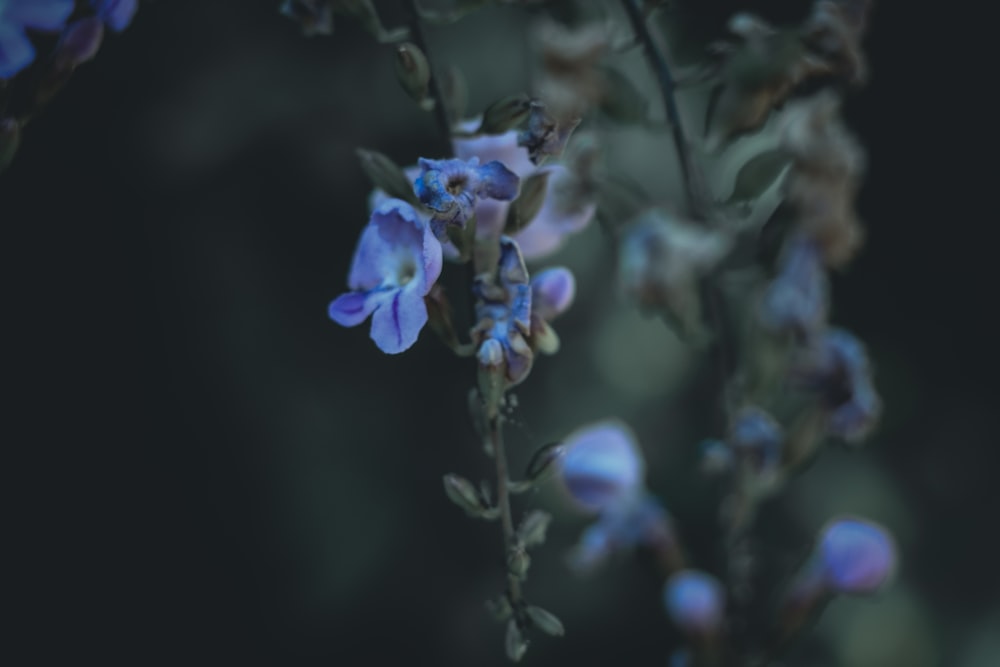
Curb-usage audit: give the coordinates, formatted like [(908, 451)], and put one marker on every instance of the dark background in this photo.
[(206, 469)]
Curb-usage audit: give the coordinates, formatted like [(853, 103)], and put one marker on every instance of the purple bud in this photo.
[(695, 602), (858, 556), (79, 42), (757, 435), (552, 292), (602, 466)]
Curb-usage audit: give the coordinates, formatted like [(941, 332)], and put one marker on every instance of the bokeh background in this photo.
[(213, 472)]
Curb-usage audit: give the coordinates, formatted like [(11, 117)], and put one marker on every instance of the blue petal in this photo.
[(116, 13), (38, 14), (16, 52), (398, 320), (497, 181), (352, 308)]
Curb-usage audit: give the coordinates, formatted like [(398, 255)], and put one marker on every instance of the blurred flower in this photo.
[(660, 261), (16, 16), (316, 16), (639, 520), (857, 556), (79, 42), (503, 316), (695, 602), (837, 368), (796, 301), (451, 187), (756, 436), (563, 212), (117, 14), (602, 466), (396, 263)]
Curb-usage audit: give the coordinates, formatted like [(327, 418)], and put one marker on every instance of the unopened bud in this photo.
[(461, 492), (527, 205), (543, 462), (79, 42), (387, 175), (518, 561), (695, 602), (414, 73), (514, 642), (603, 465), (533, 527), (545, 621), (492, 368), (505, 114), (10, 139)]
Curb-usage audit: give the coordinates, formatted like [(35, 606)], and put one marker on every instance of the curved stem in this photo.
[(433, 87), (503, 502)]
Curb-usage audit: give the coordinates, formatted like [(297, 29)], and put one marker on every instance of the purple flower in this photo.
[(695, 602), (450, 188), (561, 214), (756, 436), (797, 300), (639, 520), (117, 14), (503, 315), (857, 556), (395, 265), (552, 292), (602, 466), (16, 51), (837, 368)]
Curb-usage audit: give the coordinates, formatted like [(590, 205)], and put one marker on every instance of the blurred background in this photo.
[(212, 471)]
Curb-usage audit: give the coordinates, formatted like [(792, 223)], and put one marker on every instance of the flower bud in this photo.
[(543, 463), (602, 466), (552, 292), (414, 73), (505, 114), (858, 556), (79, 43), (492, 369), (695, 602), (756, 436), (461, 492), (518, 561), (545, 621)]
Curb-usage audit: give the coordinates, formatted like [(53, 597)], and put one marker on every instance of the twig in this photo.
[(440, 110)]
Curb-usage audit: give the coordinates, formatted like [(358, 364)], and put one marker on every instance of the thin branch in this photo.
[(503, 502), (694, 182), (440, 110)]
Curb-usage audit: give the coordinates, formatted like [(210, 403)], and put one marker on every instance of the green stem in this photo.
[(503, 502), (433, 87)]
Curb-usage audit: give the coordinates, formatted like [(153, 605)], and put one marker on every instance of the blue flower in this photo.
[(396, 263), (797, 300), (503, 315), (837, 368), (857, 556), (638, 520), (756, 436), (117, 14), (695, 602), (602, 466), (450, 188), (16, 51)]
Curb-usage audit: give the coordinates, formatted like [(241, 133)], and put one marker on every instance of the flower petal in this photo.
[(552, 292), (394, 235), (487, 147), (497, 181), (38, 14), (398, 320), (432, 259), (16, 52), (116, 13), (353, 308), (602, 465)]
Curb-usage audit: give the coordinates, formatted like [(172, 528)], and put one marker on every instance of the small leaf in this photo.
[(533, 527), (385, 174), (545, 621), (500, 608), (461, 492), (543, 462), (524, 209), (518, 561), (514, 643)]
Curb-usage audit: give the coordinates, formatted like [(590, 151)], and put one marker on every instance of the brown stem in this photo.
[(503, 502)]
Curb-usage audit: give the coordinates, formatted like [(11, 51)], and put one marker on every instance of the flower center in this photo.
[(455, 184), (407, 272)]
